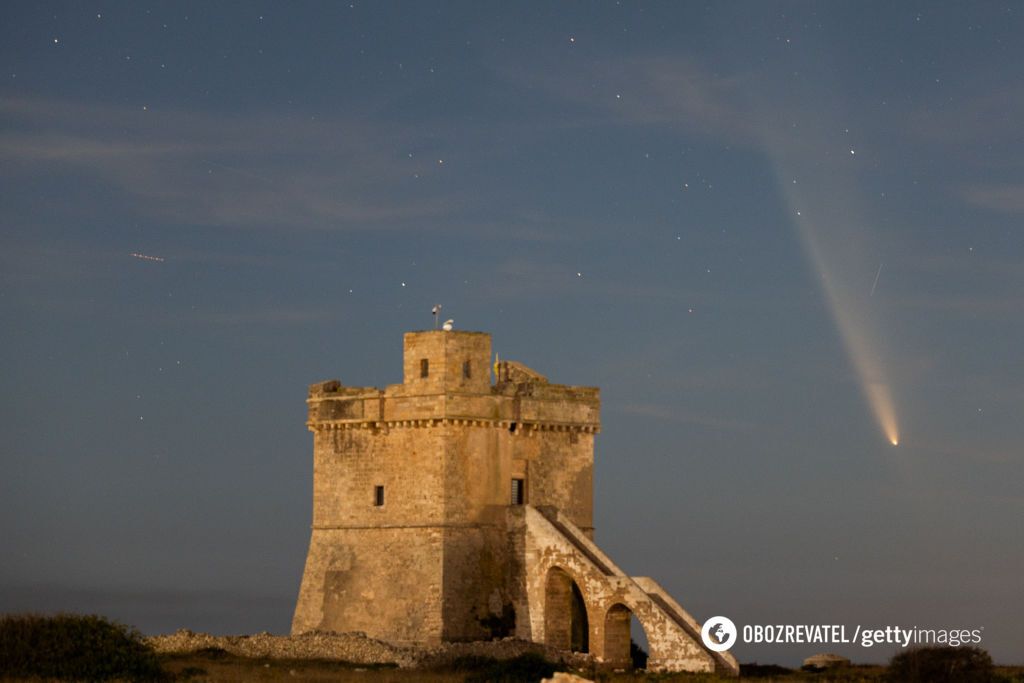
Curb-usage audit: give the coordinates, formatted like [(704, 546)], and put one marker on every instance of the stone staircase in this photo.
[(725, 664), (553, 541)]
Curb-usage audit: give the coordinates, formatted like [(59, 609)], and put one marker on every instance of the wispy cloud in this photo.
[(249, 171), (643, 90), (676, 414), (991, 306), (267, 316), (520, 277), (1004, 198), (983, 117), (981, 130)]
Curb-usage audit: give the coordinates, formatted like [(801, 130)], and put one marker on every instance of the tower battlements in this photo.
[(448, 379)]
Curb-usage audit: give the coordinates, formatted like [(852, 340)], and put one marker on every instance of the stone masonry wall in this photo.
[(386, 583), (370, 568), (432, 563)]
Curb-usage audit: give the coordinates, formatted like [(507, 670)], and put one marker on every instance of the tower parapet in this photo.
[(447, 377)]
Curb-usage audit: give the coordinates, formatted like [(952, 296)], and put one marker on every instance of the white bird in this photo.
[(448, 324)]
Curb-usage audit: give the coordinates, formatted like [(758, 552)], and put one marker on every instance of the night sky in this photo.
[(772, 233)]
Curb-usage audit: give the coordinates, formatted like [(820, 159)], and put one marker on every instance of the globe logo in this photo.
[(718, 634)]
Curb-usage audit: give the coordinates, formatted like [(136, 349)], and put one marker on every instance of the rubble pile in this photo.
[(356, 648), (350, 647)]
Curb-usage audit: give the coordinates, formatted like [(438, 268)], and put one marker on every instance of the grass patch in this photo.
[(526, 668), (74, 647), (214, 665), (943, 665)]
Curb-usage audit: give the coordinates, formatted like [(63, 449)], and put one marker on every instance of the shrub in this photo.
[(526, 668), (756, 670), (190, 672), (942, 665), (466, 663), (77, 647), (637, 655)]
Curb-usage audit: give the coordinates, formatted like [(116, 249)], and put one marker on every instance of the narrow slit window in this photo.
[(467, 370), (518, 491), (378, 496), (424, 367)]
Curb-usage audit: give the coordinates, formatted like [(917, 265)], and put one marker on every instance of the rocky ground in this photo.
[(356, 648)]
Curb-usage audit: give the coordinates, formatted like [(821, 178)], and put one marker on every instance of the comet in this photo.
[(820, 161), (835, 233), (880, 400)]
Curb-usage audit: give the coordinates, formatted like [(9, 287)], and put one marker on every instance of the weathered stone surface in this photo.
[(555, 551), (417, 539)]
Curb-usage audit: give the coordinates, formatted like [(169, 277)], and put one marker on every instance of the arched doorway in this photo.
[(624, 639), (616, 637), (565, 613)]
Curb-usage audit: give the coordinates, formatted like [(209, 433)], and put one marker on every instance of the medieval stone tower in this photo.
[(450, 507)]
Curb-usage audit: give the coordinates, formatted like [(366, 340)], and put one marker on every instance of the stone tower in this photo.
[(450, 507)]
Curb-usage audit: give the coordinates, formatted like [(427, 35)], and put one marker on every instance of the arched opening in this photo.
[(565, 613), (580, 626), (616, 637), (625, 642), (639, 648)]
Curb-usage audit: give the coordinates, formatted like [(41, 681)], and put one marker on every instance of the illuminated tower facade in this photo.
[(458, 505)]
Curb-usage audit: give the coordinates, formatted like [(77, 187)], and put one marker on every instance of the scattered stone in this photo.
[(356, 648), (562, 677), (826, 661)]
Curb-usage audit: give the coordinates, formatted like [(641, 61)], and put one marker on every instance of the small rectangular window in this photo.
[(378, 496), (518, 492), (424, 367), (466, 371)]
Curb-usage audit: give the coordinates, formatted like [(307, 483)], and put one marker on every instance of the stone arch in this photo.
[(617, 636), (566, 626)]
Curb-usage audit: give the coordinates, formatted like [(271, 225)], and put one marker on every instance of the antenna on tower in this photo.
[(435, 311)]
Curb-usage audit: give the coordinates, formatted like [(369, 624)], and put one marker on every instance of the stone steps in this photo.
[(722, 665), (673, 635)]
